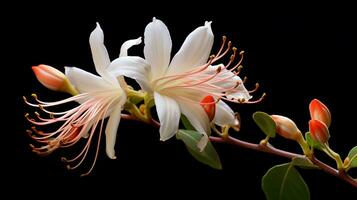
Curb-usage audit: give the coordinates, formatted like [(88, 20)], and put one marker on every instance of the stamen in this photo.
[(255, 88)]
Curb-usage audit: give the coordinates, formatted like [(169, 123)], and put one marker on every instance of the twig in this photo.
[(268, 149)]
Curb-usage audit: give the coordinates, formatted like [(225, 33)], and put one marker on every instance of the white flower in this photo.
[(180, 85), (100, 97)]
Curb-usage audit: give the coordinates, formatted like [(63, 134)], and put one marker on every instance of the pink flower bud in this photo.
[(319, 131), (286, 127), (50, 77), (209, 105), (320, 112)]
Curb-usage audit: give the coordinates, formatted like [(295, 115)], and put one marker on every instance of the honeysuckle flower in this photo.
[(100, 97), (319, 111), (319, 131), (53, 79), (286, 127), (180, 85)]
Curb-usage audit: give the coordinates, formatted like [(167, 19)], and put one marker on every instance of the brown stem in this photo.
[(268, 149)]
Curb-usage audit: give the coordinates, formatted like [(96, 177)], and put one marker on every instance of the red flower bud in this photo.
[(320, 112), (319, 131), (286, 127), (49, 77), (209, 105)]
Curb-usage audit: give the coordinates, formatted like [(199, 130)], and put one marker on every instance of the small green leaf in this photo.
[(352, 155), (265, 123), (208, 156), (283, 182), (303, 163), (186, 123), (311, 142)]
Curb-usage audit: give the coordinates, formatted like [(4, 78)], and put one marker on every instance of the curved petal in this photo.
[(198, 118), (240, 91), (99, 52), (194, 51), (85, 81), (224, 115), (126, 45), (157, 49), (111, 131), (133, 67), (169, 115)]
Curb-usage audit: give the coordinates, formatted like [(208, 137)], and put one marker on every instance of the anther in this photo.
[(245, 80), (63, 159), (241, 53), (255, 89)]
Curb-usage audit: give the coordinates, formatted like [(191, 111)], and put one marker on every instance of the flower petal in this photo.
[(126, 45), (111, 131), (169, 115), (194, 51), (224, 115), (198, 118), (157, 49), (99, 52), (133, 67), (85, 81)]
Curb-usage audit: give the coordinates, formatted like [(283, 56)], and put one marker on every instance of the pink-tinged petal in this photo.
[(169, 114), (286, 127), (133, 67), (49, 77), (319, 111), (319, 131), (194, 51), (157, 49)]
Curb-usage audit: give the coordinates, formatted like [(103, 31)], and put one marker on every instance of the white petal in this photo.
[(157, 49), (242, 93), (85, 81), (99, 52), (198, 118), (224, 115), (133, 67), (169, 115), (194, 51), (126, 45), (111, 131)]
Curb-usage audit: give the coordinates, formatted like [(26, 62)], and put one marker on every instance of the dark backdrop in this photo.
[(296, 54)]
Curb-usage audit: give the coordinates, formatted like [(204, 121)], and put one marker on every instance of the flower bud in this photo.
[(286, 127), (209, 105), (320, 112), (319, 131), (53, 79)]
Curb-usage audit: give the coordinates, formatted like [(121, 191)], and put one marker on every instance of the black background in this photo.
[(296, 52)]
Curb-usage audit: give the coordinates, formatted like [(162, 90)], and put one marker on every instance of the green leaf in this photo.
[(352, 155), (208, 156), (312, 143), (186, 123), (265, 123), (283, 182), (303, 163)]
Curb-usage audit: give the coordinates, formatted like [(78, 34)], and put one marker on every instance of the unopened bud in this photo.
[(286, 127), (319, 111), (319, 131), (53, 79), (209, 105)]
